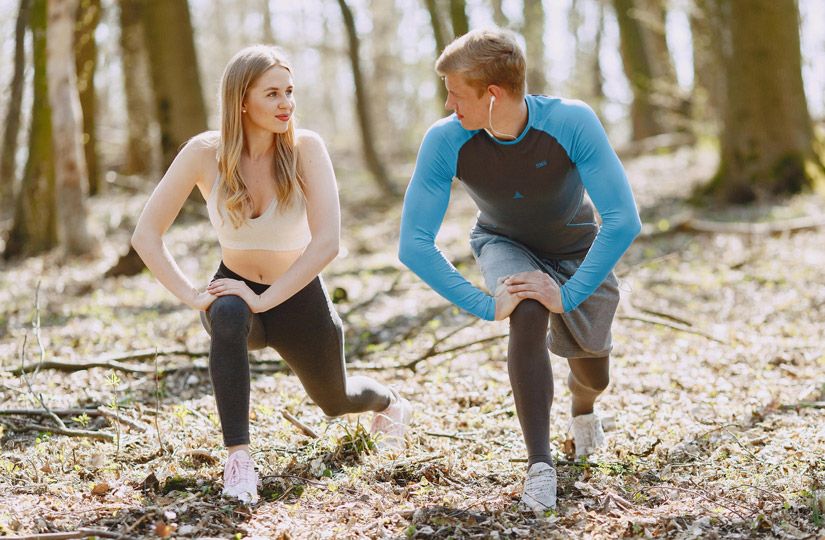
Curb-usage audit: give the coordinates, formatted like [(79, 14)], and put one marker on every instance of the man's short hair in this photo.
[(484, 57)]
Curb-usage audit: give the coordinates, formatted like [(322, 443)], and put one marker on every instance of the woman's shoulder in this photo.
[(204, 143), (200, 153), (307, 138)]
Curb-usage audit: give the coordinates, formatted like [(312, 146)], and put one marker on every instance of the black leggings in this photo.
[(306, 331), (528, 364)]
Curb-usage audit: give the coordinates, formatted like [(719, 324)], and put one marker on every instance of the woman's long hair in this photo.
[(241, 72)]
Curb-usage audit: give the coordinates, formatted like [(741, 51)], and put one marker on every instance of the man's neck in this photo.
[(508, 119)]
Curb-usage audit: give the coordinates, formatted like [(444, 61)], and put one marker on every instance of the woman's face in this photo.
[(268, 102)]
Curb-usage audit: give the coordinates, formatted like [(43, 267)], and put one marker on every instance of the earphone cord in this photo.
[(490, 121)]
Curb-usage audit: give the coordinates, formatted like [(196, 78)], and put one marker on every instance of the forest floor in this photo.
[(716, 410)]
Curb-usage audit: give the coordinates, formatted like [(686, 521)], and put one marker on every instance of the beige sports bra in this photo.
[(276, 229)]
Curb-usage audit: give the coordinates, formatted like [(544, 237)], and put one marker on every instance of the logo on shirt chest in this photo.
[(542, 163)]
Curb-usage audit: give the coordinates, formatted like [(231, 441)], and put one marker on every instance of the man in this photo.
[(526, 161)]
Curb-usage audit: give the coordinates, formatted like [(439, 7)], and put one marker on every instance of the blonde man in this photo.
[(526, 161), (272, 198)]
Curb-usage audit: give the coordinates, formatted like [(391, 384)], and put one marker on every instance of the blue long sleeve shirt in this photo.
[(531, 190)]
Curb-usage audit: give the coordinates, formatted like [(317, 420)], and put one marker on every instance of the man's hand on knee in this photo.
[(538, 286), (505, 302)]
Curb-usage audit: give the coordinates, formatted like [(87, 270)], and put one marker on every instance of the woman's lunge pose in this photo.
[(526, 161), (272, 199)]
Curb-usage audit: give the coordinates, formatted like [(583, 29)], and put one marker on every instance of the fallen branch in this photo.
[(80, 533), (71, 367), (305, 429), (100, 411), (669, 324), (803, 405), (99, 435), (694, 225), (112, 361)]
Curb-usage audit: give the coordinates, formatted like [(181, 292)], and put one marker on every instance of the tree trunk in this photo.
[(143, 147), (267, 35), (67, 127), (645, 122), (534, 37), (12, 124), (373, 162), (458, 16), (767, 142), (707, 24), (34, 229), (88, 16), (499, 18), (179, 105), (439, 33), (673, 106)]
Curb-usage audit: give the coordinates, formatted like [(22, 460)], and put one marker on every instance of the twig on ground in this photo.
[(100, 435), (635, 316), (80, 533), (305, 429)]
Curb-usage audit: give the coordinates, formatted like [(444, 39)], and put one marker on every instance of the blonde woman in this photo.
[(272, 199)]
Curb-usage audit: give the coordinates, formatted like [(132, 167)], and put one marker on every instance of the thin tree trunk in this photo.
[(499, 17), (672, 105), (268, 37), (67, 127), (439, 34), (767, 141), (12, 124), (458, 16), (707, 23), (143, 147), (88, 16), (373, 162), (534, 37), (639, 73), (34, 228), (173, 62)]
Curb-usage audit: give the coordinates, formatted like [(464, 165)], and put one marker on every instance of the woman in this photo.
[(272, 199)]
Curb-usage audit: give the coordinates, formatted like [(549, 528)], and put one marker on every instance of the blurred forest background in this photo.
[(717, 109)]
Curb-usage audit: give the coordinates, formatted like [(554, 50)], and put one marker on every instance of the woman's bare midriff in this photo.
[(259, 265)]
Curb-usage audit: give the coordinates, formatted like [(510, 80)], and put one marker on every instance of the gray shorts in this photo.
[(581, 333)]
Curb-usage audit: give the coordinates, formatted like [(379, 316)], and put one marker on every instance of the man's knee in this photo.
[(528, 312), (595, 379)]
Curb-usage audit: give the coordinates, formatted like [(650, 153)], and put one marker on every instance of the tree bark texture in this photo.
[(88, 17), (143, 146), (67, 127), (373, 161), (34, 228), (768, 146), (11, 128), (173, 63)]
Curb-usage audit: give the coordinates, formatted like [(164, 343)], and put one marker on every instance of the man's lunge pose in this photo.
[(526, 161)]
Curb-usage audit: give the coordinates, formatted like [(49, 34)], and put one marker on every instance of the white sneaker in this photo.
[(391, 424), (240, 480), (540, 488), (587, 433)]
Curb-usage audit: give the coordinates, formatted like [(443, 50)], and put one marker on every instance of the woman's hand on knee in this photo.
[(202, 300), (226, 286)]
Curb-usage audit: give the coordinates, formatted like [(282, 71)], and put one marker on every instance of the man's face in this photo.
[(470, 108)]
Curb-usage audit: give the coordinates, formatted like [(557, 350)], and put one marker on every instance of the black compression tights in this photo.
[(528, 364), (306, 332)]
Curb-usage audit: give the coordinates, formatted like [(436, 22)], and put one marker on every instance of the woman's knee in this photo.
[(229, 316), (334, 407)]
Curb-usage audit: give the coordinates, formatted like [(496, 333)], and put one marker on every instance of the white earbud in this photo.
[(492, 98)]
